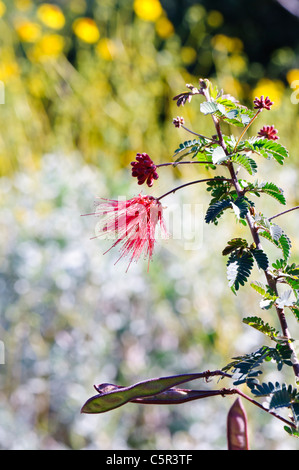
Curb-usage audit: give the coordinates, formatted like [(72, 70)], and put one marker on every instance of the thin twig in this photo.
[(176, 396), (199, 135), (247, 127), (254, 402), (284, 212), (184, 163), (188, 184)]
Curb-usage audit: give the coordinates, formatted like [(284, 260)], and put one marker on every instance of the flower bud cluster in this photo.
[(144, 169)]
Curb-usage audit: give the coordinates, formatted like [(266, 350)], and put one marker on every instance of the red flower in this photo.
[(144, 169), (269, 133), (262, 103), (133, 223)]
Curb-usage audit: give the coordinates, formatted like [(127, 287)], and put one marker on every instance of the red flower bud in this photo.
[(144, 169), (268, 132), (262, 103)]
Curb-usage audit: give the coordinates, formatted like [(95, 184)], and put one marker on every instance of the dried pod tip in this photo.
[(237, 432)]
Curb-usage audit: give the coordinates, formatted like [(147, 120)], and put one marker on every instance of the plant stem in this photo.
[(184, 163), (246, 128), (270, 279), (165, 398), (284, 212), (199, 135), (188, 184), (256, 403)]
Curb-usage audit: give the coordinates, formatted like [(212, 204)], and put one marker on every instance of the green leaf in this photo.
[(280, 264), (233, 113), (215, 210), (283, 242), (208, 107), (248, 163), (219, 155), (239, 267), (293, 270), (267, 188), (246, 368), (295, 410), (294, 283), (234, 244), (189, 147), (219, 188), (291, 431), (259, 288), (268, 294), (285, 245), (261, 258), (285, 299), (260, 325), (240, 206), (282, 355), (276, 232), (295, 311), (270, 149), (263, 390), (272, 190), (281, 395)]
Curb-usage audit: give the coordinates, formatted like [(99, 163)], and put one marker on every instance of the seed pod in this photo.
[(237, 434)]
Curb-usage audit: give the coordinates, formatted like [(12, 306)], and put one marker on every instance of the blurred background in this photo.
[(85, 85)]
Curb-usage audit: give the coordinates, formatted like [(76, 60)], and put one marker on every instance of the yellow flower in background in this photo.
[(164, 27), (224, 43), (86, 30), (148, 10), (51, 16), (272, 88), (215, 18), (9, 69), (188, 55), (292, 75), (2, 9), (27, 30), (107, 49), (49, 46)]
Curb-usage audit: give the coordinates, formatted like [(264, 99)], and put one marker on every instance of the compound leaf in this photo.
[(239, 267), (260, 325), (270, 149), (215, 210), (260, 258), (246, 162)]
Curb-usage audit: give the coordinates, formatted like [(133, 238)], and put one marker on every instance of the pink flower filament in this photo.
[(133, 223)]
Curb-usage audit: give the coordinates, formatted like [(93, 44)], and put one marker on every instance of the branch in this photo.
[(199, 135), (177, 396), (188, 184), (284, 212), (184, 163), (270, 280), (254, 402), (247, 127)]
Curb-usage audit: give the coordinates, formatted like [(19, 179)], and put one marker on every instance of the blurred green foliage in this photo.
[(87, 85)]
